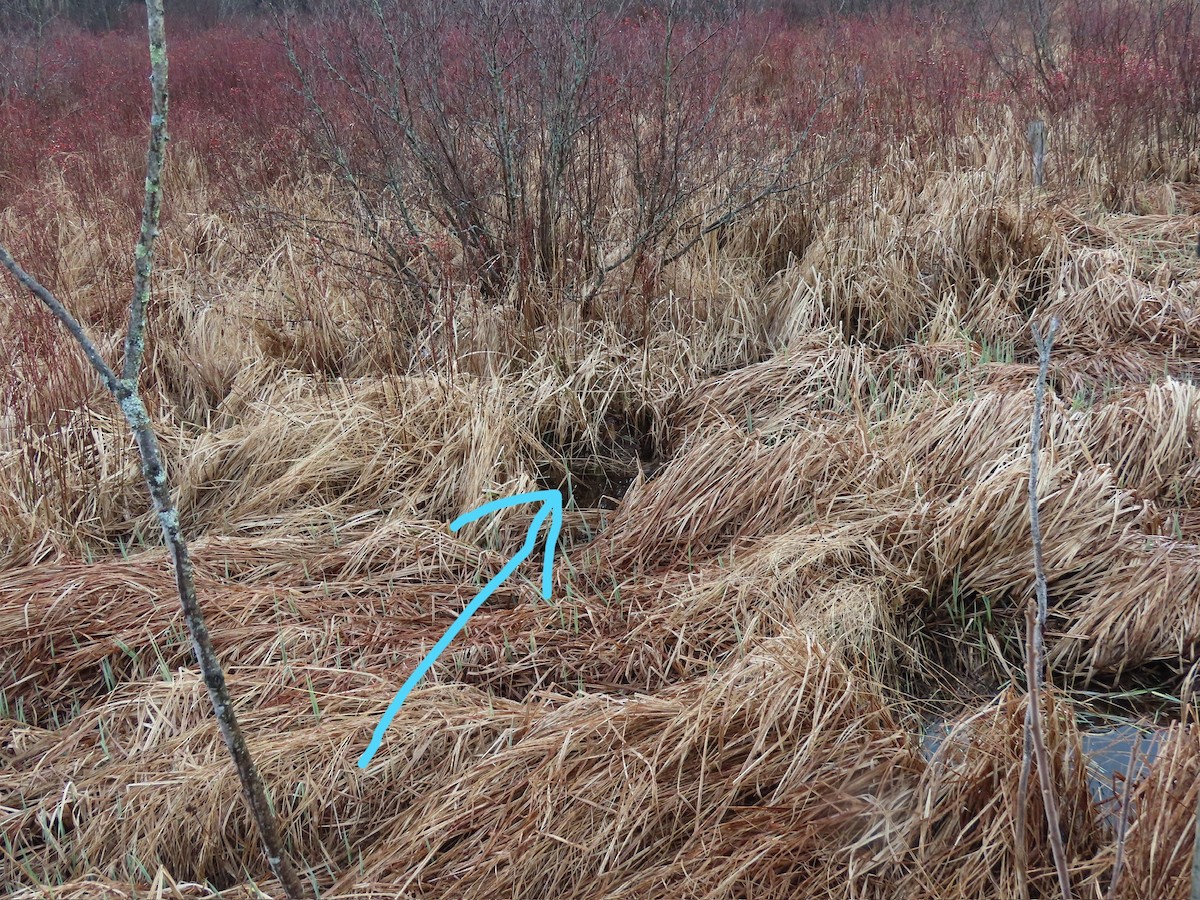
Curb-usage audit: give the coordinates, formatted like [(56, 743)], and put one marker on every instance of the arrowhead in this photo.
[(552, 508)]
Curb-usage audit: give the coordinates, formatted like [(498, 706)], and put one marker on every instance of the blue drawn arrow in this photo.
[(552, 508)]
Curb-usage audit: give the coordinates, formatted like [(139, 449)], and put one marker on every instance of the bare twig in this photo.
[(125, 391), (1188, 696), (1125, 799), (1019, 841), (1195, 892), (1035, 619)]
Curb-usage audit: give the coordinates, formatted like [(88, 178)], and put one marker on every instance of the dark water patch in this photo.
[(1118, 757)]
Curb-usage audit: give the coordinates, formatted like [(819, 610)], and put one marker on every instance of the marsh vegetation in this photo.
[(756, 293)]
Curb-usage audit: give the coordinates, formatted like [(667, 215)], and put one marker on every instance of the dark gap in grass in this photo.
[(599, 479)]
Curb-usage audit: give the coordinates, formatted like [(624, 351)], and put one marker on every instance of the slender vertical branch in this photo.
[(143, 254), (1195, 892), (1126, 801), (1035, 620), (1019, 842), (125, 391), (1040, 20), (1044, 344)]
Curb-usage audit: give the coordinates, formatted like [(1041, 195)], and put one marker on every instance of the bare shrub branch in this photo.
[(555, 144), (1035, 621)]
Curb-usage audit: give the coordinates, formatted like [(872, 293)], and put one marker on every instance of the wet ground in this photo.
[(1118, 756)]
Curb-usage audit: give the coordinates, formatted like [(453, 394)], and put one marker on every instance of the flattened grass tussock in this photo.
[(797, 460)]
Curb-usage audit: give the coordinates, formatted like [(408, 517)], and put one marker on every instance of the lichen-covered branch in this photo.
[(210, 666), (143, 254), (125, 391), (60, 312)]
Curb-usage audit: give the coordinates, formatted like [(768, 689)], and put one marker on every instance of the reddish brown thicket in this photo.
[(556, 144), (520, 115)]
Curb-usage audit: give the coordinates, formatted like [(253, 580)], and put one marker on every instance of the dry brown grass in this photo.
[(814, 442)]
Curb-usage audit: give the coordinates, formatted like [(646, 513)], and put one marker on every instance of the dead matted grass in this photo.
[(797, 480)]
